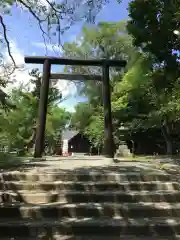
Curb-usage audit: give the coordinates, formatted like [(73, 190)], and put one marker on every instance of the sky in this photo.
[(26, 39)]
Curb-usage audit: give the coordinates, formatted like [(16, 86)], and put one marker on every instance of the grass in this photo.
[(139, 158), (151, 157), (9, 161), (172, 165)]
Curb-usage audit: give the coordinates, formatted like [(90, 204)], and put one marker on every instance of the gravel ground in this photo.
[(91, 162)]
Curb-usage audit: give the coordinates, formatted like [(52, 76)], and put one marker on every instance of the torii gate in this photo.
[(47, 62)]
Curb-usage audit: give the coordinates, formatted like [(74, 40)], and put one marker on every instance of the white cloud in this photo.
[(44, 3), (67, 107), (39, 3), (79, 41), (17, 54), (49, 46), (22, 76), (67, 88)]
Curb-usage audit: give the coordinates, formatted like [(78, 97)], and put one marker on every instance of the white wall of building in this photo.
[(65, 146)]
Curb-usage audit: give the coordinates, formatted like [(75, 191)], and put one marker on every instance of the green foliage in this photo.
[(18, 126), (81, 117), (53, 17), (95, 131), (144, 97), (17, 123), (137, 85), (140, 104), (113, 38), (152, 24), (56, 122), (8, 161)]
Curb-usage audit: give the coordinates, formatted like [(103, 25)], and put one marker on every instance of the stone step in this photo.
[(90, 237), (88, 226), (94, 210), (92, 176), (89, 186), (85, 196), (71, 237)]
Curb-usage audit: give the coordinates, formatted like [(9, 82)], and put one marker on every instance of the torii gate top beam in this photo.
[(82, 62)]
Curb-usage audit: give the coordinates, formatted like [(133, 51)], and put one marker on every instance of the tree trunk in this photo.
[(133, 148), (98, 151), (167, 137)]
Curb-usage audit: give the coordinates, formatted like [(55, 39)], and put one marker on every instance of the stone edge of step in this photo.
[(100, 193), (86, 173), (90, 222), (89, 182), (61, 205), (87, 237)]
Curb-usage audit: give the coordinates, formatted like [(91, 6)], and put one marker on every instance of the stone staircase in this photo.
[(98, 203)]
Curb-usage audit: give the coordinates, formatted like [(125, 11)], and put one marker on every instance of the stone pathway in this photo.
[(90, 197), (70, 163)]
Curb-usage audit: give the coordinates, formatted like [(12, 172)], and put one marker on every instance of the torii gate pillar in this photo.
[(42, 111)]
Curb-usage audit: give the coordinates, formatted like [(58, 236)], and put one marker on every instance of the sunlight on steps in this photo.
[(126, 201)]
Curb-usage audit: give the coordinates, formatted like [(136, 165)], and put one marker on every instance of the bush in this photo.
[(9, 161)]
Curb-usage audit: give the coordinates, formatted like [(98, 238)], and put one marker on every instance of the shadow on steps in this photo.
[(111, 220)]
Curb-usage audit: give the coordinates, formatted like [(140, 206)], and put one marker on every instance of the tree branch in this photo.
[(30, 10), (47, 14), (38, 19), (56, 12), (6, 40)]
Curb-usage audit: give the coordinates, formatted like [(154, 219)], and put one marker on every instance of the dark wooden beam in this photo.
[(70, 61), (105, 64), (39, 143), (80, 77), (108, 129)]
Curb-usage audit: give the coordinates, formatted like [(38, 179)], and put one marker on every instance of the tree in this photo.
[(56, 123), (53, 18), (17, 123), (140, 105), (152, 24), (95, 131), (144, 97), (4, 101), (54, 97), (18, 126), (114, 39), (81, 118)]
